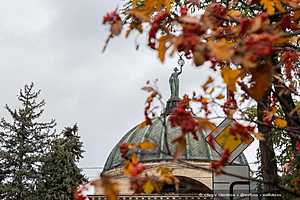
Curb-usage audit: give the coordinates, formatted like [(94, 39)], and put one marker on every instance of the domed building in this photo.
[(193, 181)]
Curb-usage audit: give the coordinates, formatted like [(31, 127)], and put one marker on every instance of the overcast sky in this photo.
[(57, 45)]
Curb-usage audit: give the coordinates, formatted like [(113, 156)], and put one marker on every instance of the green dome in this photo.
[(195, 150)]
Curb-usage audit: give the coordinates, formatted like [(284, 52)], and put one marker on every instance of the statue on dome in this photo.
[(174, 80)]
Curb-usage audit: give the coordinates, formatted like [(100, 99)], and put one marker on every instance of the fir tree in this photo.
[(24, 141), (60, 173)]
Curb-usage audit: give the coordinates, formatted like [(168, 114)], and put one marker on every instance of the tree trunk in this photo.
[(268, 160), (288, 106)]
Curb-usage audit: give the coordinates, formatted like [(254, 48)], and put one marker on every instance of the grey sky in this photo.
[(57, 45)]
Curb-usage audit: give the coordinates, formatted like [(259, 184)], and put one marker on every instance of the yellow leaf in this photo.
[(274, 110), (149, 7), (148, 187), (130, 164), (279, 6), (162, 47), (167, 4), (127, 168), (280, 122), (163, 170), (234, 13), (269, 6), (221, 49), (230, 77), (220, 96), (166, 175), (147, 145)]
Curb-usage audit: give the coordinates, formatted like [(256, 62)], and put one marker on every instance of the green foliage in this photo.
[(24, 140), (284, 153), (60, 174)]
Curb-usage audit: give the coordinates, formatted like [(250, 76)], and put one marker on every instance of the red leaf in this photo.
[(183, 118), (288, 58), (183, 10), (111, 17), (221, 163), (243, 131), (260, 44), (298, 146), (79, 193), (155, 26)]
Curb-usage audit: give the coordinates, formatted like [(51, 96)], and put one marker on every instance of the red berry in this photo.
[(140, 168), (183, 10)]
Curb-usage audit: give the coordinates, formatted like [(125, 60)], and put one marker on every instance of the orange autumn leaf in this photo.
[(209, 81), (134, 2), (162, 46), (147, 145), (230, 77), (130, 165), (110, 187), (166, 175), (268, 115), (163, 170), (270, 6), (282, 41), (167, 4), (220, 96), (180, 146), (205, 124), (221, 49), (210, 91), (234, 13), (279, 6), (116, 28), (259, 136), (198, 57), (149, 7), (143, 125), (292, 3), (261, 81), (296, 15), (280, 122)]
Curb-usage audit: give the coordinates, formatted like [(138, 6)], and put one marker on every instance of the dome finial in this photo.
[(174, 86)]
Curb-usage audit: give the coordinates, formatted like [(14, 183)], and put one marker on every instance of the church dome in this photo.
[(196, 150)]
